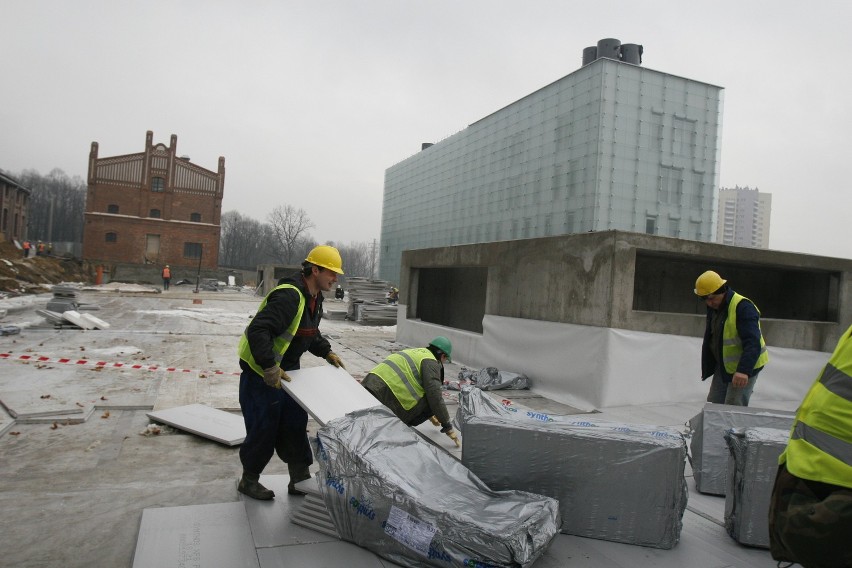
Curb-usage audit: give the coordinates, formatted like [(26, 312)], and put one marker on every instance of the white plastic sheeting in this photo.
[(591, 367)]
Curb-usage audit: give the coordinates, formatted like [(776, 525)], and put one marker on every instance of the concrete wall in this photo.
[(629, 281), (151, 274)]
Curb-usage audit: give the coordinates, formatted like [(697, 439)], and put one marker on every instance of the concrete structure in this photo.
[(610, 318), (14, 203), (153, 207), (612, 145), (269, 274), (744, 216)]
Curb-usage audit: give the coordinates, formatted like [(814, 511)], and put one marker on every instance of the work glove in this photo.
[(448, 430), (434, 421), (334, 360), (273, 375)]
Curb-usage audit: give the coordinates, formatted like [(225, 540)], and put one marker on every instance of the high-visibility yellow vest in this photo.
[(281, 343), (401, 373), (732, 345), (820, 446)]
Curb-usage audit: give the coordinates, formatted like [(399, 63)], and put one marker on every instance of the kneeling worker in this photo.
[(409, 383)]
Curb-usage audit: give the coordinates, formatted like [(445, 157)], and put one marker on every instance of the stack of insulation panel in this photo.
[(617, 482)]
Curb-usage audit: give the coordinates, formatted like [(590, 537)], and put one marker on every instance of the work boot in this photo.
[(249, 485), (298, 472)]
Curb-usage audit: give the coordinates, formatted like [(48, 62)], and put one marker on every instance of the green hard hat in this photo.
[(444, 345)]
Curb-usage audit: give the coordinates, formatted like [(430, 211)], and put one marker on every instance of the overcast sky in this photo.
[(310, 101)]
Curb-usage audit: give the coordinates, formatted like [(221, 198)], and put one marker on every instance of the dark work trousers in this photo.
[(274, 423)]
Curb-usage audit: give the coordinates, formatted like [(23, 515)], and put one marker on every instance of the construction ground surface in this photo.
[(73, 488)]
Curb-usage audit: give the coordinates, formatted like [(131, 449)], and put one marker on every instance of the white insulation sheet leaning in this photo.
[(614, 481), (708, 447), (390, 491), (752, 465)]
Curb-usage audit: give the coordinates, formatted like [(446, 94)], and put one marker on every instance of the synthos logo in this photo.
[(321, 449), (471, 563), (335, 483), (364, 508), (435, 554), (539, 416)]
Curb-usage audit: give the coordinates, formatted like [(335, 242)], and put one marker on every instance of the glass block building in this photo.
[(613, 145)]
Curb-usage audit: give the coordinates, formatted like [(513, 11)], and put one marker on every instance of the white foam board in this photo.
[(270, 521), (74, 317), (97, 322), (329, 554), (205, 421), (327, 392), (197, 535), (52, 317)]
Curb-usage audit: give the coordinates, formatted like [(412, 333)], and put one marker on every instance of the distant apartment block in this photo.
[(153, 207), (744, 217), (612, 146)]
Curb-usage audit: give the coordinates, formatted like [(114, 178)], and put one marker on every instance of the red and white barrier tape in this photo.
[(103, 364)]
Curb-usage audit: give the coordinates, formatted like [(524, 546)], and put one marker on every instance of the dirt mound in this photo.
[(20, 275)]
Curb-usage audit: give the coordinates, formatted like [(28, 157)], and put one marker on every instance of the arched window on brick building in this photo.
[(158, 184), (112, 208), (111, 237), (195, 217)]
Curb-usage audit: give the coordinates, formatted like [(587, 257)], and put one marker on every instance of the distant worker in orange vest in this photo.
[(40, 249), (26, 246), (167, 277)]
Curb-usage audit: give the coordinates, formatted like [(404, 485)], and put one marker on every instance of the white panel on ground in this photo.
[(52, 317), (207, 422), (197, 535), (328, 554), (33, 392), (74, 317), (97, 322), (270, 520), (327, 392)]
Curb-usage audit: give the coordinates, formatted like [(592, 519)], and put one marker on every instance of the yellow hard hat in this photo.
[(327, 257), (708, 283)]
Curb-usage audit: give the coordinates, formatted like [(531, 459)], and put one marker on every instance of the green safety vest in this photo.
[(732, 345), (281, 343), (401, 373), (820, 446)]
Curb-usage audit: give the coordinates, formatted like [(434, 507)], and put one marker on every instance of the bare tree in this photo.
[(356, 259), (243, 242), (289, 227), (57, 206)]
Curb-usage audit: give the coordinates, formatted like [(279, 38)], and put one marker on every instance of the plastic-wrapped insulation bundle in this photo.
[(392, 492), (614, 481)]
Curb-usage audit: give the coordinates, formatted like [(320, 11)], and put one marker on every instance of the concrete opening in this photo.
[(665, 282), (453, 297)]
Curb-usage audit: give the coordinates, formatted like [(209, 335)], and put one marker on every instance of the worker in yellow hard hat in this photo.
[(409, 383), (285, 327), (734, 351)]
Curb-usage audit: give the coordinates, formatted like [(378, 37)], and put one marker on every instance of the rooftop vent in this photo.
[(611, 48)]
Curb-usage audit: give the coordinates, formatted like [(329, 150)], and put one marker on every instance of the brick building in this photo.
[(153, 207), (14, 203)]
